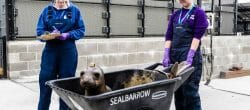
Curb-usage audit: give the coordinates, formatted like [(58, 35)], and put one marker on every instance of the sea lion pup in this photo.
[(140, 78), (92, 81)]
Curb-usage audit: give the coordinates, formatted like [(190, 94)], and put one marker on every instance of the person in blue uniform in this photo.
[(59, 57), (185, 30)]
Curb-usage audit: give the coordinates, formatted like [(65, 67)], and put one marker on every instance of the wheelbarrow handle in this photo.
[(153, 66), (167, 69)]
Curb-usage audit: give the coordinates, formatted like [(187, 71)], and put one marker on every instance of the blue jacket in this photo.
[(76, 28)]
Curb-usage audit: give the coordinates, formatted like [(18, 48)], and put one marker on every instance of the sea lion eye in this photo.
[(82, 73), (97, 75)]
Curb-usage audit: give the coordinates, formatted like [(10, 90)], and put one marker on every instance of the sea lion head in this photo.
[(92, 78)]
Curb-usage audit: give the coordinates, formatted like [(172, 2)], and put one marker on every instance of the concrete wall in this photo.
[(229, 51), (121, 53), (111, 54)]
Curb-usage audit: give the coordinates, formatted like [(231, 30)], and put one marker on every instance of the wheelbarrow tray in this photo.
[(152, 96)]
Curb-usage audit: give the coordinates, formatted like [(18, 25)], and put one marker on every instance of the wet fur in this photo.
[(139, 79)]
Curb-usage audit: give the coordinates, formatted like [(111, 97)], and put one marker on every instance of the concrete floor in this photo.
[(230, 94)]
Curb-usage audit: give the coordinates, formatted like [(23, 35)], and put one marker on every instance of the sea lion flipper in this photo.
[(182, 66), (108, 89), (174, 69)]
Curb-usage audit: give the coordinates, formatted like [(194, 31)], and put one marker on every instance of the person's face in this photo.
[(186, 3), (61, 3)]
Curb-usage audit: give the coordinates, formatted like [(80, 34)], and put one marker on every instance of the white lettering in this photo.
[(129, 97)]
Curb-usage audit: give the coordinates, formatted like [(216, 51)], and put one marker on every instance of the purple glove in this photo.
[(190, 57), (166, 59), (64, 36)]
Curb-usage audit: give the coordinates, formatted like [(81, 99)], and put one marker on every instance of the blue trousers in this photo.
[(57, 62), (187, 96)]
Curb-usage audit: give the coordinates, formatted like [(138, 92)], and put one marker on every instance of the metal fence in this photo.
[(123, 18), (228, 19), (103, 18), (225, 13)]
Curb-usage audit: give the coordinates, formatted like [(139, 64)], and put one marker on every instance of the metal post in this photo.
[(245, 26), (106, 15), (141, 17), (235, 16), (199, 3), (219, 21), (211, 46), (212, 6), (10, 20), (211, 50), (173, 6), (143, 20), (5, 57)]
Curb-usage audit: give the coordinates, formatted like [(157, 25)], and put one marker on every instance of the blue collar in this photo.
[(180, 21)]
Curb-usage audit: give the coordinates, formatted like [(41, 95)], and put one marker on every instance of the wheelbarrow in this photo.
[(151, 96)]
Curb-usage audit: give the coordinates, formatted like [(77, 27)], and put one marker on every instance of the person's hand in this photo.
[(190, 57), (64, 36), (166, 59)]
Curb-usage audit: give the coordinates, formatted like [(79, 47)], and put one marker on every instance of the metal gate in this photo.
[(226, 16), (103, 18)]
